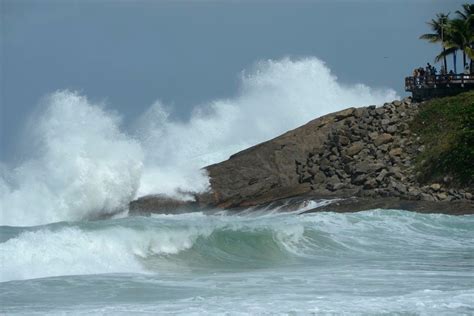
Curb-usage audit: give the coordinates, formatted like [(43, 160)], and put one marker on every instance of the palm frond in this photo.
[(446, 52), (469, 52), (431, 37)]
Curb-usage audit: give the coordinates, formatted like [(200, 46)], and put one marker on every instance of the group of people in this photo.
[(428, 71), (428, 74)]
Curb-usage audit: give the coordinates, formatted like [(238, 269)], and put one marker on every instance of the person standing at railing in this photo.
[(421, 74), (428, 73), (416, 77)]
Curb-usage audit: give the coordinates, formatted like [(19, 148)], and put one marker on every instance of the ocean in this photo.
[(81, 160), (388, 262)]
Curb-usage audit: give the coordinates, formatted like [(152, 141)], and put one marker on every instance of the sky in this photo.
[(131, 53)]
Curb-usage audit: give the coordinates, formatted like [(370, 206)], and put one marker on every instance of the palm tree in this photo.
[(438, 26), (467, 15), (458, 37)]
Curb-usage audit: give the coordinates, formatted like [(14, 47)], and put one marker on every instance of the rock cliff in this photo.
[(366, 152)]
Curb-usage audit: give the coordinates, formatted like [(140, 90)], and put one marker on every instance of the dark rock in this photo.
[(359, 179), (391, 129), (380, 111), (381, 175), (161, 204), (354, 149), (366, 167), (395, 152), (383, 139)]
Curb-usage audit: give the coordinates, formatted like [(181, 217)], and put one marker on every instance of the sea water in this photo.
[(372, 262), (82, 160)]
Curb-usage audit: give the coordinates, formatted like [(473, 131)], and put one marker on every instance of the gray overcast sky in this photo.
[(131, 53)]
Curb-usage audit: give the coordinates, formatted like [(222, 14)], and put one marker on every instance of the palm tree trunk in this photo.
[(454, 63), (444, 60), (471, 64), (463, 59)]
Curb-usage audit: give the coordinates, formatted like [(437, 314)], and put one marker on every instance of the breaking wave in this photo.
[(84, 164), (210, 242)]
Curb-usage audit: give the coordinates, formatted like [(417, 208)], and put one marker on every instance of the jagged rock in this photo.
[(373, 135), (370, 184), (344, 114), (354, 149), (442, 196), (380, 111), (385, 122), (395, 152), (343, 141), (335, 186), (414, 191), (366, 167), (399, 187), (427, 197), (359, 179), (391, 129), (160, 204), (360, 112), (383, 139), (381, 175)]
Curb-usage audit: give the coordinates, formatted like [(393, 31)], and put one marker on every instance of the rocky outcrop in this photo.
[(163, 204), (366, 152)]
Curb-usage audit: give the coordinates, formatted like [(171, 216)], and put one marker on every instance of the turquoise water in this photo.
[(374, 262)]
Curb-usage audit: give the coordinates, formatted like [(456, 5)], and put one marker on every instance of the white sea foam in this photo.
[(82, 165), (137, 245), (274, 96), (71, 251)]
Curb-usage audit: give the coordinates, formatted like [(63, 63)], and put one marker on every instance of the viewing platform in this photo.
[(435, 86)]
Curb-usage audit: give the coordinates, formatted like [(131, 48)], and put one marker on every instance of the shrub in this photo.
[(446, 128)]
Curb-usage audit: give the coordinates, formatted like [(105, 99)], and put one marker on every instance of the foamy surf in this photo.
[(133, 245), (197, 263), (81, 163)]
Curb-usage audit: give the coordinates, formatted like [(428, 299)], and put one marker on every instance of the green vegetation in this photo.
[(456, 34), (446, 127)]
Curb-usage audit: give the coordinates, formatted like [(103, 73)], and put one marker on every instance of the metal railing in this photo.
[(438, 81)]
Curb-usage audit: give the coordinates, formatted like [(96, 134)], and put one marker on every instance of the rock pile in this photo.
[(372, 154)]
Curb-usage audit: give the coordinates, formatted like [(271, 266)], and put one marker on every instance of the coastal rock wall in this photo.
[(366, 152)]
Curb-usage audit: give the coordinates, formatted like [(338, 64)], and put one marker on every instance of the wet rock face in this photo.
[(367, 152), (165, 205)]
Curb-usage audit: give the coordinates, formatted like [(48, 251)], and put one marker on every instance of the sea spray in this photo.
[(274, 97), (82, 164)]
